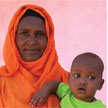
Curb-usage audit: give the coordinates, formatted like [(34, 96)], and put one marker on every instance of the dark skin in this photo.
[(41, 96), (31, 39), (84, 80)]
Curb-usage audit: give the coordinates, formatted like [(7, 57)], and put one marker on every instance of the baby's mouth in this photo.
[(81, 90)]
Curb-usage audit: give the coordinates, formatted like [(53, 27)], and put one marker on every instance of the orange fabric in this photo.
[(19, 80)]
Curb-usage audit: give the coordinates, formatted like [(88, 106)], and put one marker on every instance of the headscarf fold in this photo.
[(19, 80)]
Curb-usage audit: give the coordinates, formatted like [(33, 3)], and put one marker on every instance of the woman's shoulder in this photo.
[(3, 71)]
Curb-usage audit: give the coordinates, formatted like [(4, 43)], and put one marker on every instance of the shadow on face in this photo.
[(31, 38), (86, 76)]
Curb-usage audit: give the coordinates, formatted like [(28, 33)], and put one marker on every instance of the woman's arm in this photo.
[(42, 95)]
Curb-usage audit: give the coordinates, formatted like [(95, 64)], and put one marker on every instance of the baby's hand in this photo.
[(39, 98)]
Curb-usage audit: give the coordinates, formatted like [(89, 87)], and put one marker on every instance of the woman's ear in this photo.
[(101, 84)]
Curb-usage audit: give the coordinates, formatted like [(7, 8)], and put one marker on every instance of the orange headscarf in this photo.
[(19, 80)]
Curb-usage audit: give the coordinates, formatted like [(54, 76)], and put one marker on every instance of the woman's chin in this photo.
[(31, 58)]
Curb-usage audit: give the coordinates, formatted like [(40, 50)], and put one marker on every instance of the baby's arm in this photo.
[(42, 95)]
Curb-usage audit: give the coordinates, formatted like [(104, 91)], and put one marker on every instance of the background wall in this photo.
[(80, 26)]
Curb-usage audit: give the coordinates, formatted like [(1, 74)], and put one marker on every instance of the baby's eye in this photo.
[(91, 77), (77, 75)]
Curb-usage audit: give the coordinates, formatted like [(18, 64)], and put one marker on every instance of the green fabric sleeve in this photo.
[(62, 90)]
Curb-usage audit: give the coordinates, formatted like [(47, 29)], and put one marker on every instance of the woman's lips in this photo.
[(32, 50)]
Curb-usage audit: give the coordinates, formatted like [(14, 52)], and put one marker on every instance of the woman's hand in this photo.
[(39, 98), (42, 95)]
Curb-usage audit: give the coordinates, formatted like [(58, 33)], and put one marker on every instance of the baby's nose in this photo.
[(83, 81)]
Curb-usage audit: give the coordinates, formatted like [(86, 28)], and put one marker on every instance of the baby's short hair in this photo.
[(90, 55)]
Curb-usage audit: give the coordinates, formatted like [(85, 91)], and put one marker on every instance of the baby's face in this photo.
[(85, 80)]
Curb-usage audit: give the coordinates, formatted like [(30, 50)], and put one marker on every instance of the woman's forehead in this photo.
[(31, 21)]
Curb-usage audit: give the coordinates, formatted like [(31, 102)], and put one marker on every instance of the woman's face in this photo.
[(31, 39)]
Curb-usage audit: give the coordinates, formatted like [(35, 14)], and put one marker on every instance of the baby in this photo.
[(85, 79)]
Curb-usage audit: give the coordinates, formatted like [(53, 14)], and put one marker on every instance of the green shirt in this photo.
[(69, 101)]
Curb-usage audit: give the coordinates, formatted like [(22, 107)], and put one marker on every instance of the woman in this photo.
[(30, 59)]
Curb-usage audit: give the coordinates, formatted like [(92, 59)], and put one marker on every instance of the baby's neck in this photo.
[(93, 99)]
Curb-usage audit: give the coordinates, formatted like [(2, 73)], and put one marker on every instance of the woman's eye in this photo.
[(24, 33), (91, 77), (77, 75), (39, 34)]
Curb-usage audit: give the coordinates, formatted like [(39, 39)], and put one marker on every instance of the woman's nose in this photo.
[(32, 40)]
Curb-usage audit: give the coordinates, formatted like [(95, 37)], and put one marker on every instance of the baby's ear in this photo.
[(101, 84)]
